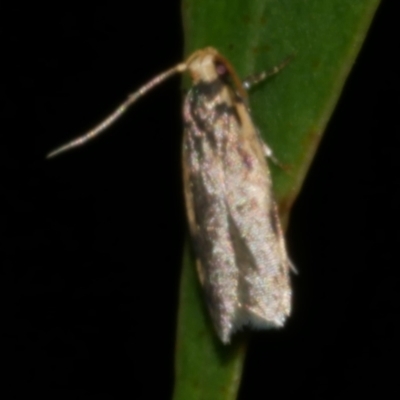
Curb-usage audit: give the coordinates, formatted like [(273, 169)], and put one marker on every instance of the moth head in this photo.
[(208, 65)]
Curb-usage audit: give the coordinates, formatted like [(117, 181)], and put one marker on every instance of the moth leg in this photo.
[(254, 79), (268, 152), (271, 156)]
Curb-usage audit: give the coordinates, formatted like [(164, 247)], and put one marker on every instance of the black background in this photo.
[(91, 241)]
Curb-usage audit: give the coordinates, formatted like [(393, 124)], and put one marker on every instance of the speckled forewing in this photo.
[(207, 211), (242, 261), (264, 292)]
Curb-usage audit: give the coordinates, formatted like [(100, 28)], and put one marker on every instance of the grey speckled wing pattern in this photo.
[(241, 256)]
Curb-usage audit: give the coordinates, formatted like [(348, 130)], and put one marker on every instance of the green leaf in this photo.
[(291, 110)]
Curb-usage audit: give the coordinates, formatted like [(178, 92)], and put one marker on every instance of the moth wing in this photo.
[(263, 285), (242, 261), (209, 227)]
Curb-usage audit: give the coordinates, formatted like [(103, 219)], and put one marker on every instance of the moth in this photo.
[(240, 250)]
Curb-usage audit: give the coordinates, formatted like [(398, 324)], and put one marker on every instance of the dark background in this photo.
[(91, 241)]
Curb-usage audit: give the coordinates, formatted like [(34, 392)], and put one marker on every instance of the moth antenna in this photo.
[(132, 98), (252, 80)]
